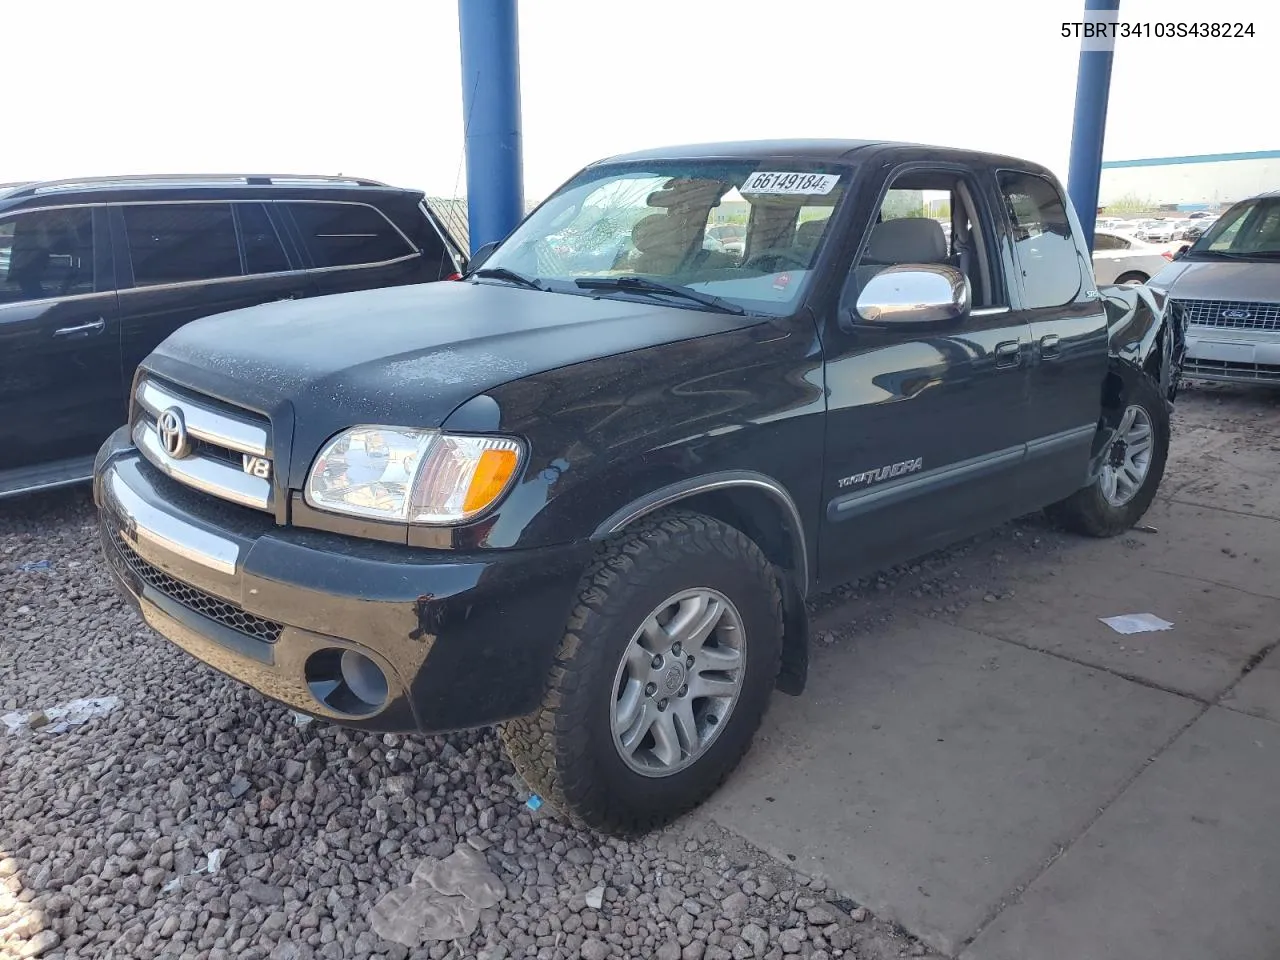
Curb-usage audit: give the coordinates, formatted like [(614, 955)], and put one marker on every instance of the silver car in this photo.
[(1226, 287)]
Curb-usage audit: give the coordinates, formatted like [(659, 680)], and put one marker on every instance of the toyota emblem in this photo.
[(173, 433)]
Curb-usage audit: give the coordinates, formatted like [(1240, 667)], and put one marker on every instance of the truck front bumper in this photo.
[(367, 634)]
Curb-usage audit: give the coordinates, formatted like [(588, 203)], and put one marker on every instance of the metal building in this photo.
[(1190, 183)]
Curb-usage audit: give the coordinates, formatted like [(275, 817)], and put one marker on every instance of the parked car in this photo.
[(590, 506), (1121, 259), (1226, 289), (95, 273), (1196, 228), (731, 237), (1157, 231)]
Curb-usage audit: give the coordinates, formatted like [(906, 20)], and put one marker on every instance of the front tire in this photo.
[(661, 680), (1131, 475), (1134, 278)]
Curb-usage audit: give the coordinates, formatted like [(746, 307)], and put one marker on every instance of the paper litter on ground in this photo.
[(1136, 623), (60, 718)]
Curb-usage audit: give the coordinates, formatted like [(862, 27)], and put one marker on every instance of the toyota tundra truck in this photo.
[(584, 492)]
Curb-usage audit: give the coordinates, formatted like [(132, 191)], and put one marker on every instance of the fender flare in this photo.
[(793, 674), (708, 483)]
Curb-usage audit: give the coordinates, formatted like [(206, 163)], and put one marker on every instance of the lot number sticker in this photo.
[(763, 181)]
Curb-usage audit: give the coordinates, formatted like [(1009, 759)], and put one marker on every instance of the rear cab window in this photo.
[(1044, 244), (748, 231)]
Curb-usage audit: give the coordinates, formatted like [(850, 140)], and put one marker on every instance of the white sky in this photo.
[(373, 88)]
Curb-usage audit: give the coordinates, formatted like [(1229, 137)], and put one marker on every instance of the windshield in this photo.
[(746, 233), (1248, 230)]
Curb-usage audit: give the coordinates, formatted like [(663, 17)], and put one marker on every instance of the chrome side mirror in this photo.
[(915, 293)]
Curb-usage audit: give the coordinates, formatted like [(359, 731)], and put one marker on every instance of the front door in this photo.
[(926, 426), (1068, 331), (61, 388)]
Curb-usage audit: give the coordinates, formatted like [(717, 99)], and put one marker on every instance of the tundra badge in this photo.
[(882, 473)]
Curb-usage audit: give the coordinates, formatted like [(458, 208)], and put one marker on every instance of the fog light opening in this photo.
[(364, 677), (347, 681)]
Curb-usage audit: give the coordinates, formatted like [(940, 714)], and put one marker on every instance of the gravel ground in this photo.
[(192, 818), (109, 827)]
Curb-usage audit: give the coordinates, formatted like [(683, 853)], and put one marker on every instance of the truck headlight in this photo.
[(412, 476)]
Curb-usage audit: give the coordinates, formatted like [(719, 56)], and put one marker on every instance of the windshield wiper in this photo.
[(502, 273), (1243, 255), (645, 285)]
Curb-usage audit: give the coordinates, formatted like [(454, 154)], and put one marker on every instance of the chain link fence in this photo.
[(452, 212)]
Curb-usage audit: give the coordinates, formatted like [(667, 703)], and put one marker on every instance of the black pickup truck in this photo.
[(584, 492)]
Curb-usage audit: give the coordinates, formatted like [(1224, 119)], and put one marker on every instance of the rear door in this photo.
[(1059, 300), (181, 261), (357, 246), (61, 387)]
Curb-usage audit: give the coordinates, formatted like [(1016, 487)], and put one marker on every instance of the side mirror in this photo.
[(915, 293), (1179, 253), (480, 256)]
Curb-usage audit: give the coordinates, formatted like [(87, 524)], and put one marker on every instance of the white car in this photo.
[(1158, 231), (1121, 259)]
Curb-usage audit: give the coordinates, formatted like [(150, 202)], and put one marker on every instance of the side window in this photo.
[(179, 242), (347, 234), (1044, 246), (930, 218), (263, 249), (1109, 241), (47, 253)]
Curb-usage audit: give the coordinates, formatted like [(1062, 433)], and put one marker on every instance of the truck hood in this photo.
[(1220, 280), (406, 355)]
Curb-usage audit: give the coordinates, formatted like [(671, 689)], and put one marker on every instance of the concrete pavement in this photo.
[(981, 760)]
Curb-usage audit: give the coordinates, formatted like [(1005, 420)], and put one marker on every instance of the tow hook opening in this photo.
[(347, 681)]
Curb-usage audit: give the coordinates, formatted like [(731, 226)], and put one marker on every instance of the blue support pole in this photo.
[(1093, 84), (489, 33)]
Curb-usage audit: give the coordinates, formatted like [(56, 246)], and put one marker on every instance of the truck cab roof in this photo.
[(820, 149)]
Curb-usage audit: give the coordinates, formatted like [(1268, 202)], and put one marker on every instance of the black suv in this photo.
[(95, 273), (585, 491)]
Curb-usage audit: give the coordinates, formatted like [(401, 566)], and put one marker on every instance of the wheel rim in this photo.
[(1130, 460), (678, 682)]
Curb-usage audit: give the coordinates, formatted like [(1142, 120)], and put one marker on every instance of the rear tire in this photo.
[(1123, 491), (630, 734)]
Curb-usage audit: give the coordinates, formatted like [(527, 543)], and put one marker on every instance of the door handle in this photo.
[(1009, 353), (95, 326), (1049, 346)]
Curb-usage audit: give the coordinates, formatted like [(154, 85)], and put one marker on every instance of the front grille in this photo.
[(197, 601), (218, 439), (1245, 315), (1230, 370)]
